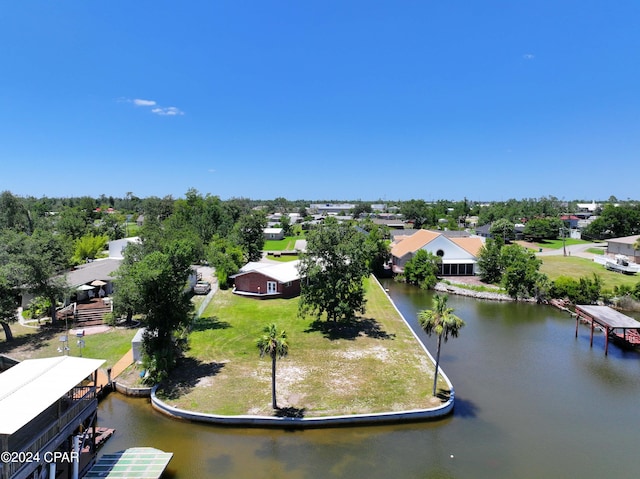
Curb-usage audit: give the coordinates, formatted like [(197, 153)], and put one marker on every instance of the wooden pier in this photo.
[(615, 325)]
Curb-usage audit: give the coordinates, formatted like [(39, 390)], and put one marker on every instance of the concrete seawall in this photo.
[(129, 391)]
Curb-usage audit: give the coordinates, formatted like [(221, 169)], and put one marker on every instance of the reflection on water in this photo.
[(531, 401)]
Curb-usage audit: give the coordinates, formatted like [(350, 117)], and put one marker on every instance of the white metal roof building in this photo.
[(42, 404), (281, 272), (30, 387)]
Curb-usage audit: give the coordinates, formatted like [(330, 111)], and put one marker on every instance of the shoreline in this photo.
[(453, 289)]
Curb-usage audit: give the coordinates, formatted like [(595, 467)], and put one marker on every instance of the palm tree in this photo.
[(440, 321), (274, 344)]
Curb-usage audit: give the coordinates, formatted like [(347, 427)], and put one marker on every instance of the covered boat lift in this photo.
[(133, 463), (613, 323)]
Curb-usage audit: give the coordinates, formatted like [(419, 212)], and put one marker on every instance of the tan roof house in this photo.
[(459, 255)]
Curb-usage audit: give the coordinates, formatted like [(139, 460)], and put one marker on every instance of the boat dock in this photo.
[(615, 325)]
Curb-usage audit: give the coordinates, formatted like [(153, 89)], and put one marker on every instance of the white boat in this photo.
[(621, 264)]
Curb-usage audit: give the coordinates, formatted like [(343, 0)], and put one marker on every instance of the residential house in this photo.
[(624, 246), (273, 233), (459, 255), (268, 280), (391, 223), (571, 221), (80, 279), (485, 231)]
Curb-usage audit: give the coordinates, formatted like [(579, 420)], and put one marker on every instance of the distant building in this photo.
[(571, 221), (273, 233), (331, 208), (588, 207)]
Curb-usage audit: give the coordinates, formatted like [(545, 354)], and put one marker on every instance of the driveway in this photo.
[(579, 250)]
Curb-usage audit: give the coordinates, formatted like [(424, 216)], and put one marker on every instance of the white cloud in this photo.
[(167, 111), (528, 56), (157, 109), (139, 102)]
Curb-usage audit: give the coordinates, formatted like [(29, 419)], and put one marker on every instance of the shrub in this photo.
[(109, 319), (582, 291)]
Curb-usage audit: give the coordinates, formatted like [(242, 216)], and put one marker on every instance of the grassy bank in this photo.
[(575, 267), (372, 365)]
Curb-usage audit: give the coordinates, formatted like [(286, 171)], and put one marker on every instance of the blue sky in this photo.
[(308, 99)]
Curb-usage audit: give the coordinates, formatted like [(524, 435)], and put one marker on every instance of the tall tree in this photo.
[(489, 261), (250, 234), (285, 224), (113, 225), (226, 257), (74, 222), (332, 271), (13, 214), (503, 229), (614, 222), (204, 215), (378, 247), (418, 212), (8, 307), (274, 344), (440, 321), (540, 229), (153, 285), (41, 262), (361, 209), (520, 271)]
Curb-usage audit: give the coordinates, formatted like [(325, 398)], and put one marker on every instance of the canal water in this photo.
[(532, 401)]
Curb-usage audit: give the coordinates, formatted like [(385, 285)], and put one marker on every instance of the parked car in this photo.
[(202, 287)]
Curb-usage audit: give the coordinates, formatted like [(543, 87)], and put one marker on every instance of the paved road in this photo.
[(573, 250)]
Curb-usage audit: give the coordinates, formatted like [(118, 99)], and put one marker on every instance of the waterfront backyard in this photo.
[(373, 364)]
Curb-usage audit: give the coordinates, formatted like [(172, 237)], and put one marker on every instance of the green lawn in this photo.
[(287, 244), (284, 258), (30, 343), (557, 243), (372, 365), (575, 267)]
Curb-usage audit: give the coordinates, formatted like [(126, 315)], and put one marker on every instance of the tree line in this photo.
[(40, 239), (37, 248)]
